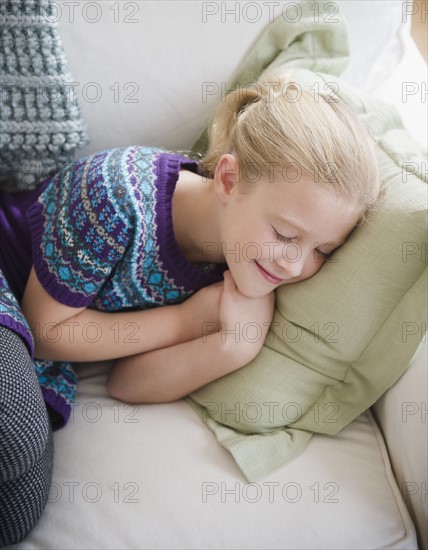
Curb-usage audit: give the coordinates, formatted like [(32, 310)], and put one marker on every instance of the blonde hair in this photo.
[(316, 136)]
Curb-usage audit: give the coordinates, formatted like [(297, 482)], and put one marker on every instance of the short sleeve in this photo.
[(80, 227)]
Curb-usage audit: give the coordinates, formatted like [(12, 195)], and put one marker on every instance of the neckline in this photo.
[(187, 275)]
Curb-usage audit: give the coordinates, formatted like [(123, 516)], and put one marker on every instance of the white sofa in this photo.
[(154, 476)]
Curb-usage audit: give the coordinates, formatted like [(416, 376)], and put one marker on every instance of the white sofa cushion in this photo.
[(385, 25), (402, 413), (154, 476), (141, 68)]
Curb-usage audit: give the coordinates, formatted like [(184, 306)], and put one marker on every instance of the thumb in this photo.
[(228, 275), (229, 283)]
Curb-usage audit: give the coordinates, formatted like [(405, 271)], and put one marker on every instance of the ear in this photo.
[(226, 176)]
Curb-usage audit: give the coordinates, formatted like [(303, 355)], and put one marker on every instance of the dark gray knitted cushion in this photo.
[(41, 124)]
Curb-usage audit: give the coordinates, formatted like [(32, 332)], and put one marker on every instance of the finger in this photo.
[(218, 283), (226, 283), (229, 283)]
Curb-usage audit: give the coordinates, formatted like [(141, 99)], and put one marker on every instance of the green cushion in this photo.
[(342, 338)]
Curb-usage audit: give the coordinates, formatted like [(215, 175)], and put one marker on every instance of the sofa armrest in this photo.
[(402, 416)]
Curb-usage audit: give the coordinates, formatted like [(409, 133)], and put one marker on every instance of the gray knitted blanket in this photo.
[(40, 121)]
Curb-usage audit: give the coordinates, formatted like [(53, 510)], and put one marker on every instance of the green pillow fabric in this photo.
[(340, 339)]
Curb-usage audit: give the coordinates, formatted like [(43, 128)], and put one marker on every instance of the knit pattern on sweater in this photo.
[(11, 315), (102, 237), (40, 118), (102, 233)]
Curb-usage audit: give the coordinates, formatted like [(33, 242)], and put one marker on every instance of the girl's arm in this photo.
[(64, 333), (171, 373)]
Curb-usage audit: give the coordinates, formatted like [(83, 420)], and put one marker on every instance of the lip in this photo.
[(269, 276)]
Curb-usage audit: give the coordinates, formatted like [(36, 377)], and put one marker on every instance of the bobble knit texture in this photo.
[(41, 124)]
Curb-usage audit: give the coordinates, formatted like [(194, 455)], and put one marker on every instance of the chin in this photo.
[(251, 292), (253, 286)]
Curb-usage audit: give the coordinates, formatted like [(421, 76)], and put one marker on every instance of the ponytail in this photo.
[(221, 129)]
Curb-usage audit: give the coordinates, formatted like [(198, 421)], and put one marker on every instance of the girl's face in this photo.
[(280, 232)]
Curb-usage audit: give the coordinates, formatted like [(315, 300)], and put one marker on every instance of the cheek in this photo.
[(255, 244), (313, 264), (252, 250)]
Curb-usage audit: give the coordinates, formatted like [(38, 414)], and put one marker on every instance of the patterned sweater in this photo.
[(102, 237), (102, 233)]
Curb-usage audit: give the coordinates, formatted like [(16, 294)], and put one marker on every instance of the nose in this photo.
[(291, 261)]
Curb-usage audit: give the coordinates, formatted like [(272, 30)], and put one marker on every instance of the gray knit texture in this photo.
[(41, 125)]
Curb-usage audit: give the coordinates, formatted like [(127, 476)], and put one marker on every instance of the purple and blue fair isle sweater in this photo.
[(102, 237)]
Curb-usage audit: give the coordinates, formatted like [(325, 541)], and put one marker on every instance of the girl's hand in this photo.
[(244, 321), (200, 312)]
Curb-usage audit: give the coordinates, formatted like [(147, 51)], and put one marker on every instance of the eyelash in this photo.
[(282, 238), (324, 255), (289, 240)]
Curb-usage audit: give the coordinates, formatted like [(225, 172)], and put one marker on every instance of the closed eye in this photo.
[(323, 254), (326, 254), (282, 238)]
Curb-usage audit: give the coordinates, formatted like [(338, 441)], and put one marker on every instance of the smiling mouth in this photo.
[(269, 276)]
